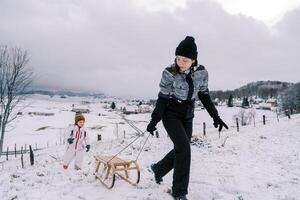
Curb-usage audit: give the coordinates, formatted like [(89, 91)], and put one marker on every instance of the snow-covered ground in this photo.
[(260, 162)]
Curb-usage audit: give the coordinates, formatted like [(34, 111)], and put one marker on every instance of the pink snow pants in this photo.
[(72, 154)]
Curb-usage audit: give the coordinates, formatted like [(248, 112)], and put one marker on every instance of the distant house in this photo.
[(237, 102), (80, 110), (270, 104), (143, 109), (85, 102), (41, 114), (257, 100), (264, 106), (273, 102)]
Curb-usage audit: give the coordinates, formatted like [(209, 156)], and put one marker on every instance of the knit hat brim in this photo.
[(186, 53)]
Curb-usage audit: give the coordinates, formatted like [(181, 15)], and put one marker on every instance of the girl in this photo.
[(78, 143), (179, 85)]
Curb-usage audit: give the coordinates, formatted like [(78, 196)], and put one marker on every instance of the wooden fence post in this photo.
[(156, 134), (15, 150), (22, 159), (204, 129), (237, 125), (31, 155), (7, 153)]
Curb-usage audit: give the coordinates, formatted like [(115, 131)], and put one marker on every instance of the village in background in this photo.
[(276, 96)]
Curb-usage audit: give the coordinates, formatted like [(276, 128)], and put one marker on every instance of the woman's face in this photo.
[(184, 63)]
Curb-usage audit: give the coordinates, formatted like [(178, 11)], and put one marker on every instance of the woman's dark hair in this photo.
[(175, 67)]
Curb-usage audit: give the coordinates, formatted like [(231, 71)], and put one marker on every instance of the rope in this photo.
[(142, 147), (141, 133), (132, 125), (126, 147)]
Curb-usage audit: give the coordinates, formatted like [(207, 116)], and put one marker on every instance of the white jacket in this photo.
[(80, 137)]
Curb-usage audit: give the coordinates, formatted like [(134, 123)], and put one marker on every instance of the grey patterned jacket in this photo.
[(176, 87)]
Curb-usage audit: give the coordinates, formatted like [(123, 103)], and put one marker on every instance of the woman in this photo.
[(180, 83)]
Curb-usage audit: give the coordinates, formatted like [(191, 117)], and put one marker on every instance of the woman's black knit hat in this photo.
[(187, 48)]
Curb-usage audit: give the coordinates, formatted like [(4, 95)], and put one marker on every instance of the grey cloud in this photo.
[(121, 49)]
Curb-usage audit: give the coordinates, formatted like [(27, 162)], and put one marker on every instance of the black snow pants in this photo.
[(178, 122)]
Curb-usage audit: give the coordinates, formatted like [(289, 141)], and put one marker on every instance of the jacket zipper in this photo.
[(77, 136)]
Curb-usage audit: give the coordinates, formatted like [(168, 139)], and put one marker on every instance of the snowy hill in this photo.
[(259, 162)]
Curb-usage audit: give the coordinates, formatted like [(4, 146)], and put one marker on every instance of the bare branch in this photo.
[(15, 77)]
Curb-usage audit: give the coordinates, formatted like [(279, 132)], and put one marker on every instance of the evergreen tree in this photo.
[(113, 105), (230, 103), (245, 103)]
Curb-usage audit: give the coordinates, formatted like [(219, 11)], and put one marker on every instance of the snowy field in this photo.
[(260, 162)]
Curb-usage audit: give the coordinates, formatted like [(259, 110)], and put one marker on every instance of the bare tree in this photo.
[(244, 117), (15, 77)]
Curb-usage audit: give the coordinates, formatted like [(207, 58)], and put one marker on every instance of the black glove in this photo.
[(219, 122), (70, 140), (151, 127), (211, 109), (87, 147)]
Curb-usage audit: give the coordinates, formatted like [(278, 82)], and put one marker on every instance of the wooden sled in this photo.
[(107, 169)]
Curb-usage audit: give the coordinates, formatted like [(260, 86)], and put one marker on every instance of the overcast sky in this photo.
[(120, 47)]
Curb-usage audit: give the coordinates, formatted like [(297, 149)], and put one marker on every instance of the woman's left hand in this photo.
[(219, 122)]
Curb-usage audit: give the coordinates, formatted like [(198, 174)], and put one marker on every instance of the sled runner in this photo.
[(107, 167)]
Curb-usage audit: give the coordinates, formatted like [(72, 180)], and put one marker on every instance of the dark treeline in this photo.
[(261, 89), (289, 99)]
